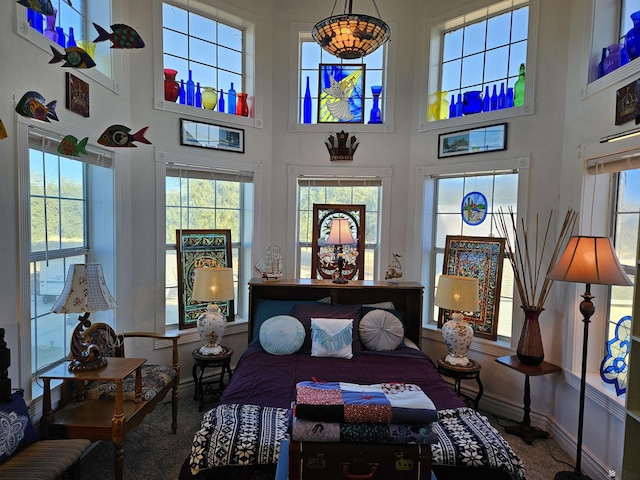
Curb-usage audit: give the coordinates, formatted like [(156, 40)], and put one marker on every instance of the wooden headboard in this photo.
[(406, 297)]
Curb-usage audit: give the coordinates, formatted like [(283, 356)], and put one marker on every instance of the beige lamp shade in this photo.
[(213, 284), (85, 290), (590, 260), (340, 233), (457, 293)]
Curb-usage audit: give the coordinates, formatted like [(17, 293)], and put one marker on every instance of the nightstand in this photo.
[(214, 383), (459, 373)]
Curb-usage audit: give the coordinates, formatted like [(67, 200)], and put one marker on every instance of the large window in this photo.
[(347, 192), (198, 199), (209, 49), (64, 196), (500, 189)]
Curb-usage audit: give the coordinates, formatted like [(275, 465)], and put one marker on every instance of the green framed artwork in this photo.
[(197, 249), (481, 258), (341, 93)]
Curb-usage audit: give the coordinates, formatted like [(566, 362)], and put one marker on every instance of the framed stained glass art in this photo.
[(481, 258), (196, 249), (614, 368), (341, 93), (474, 208)]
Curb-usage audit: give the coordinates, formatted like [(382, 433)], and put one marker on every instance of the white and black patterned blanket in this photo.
[(233, 434), (466, 438)]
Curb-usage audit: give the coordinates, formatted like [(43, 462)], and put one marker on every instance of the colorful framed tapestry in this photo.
[(324, 261), (481, 258), (200, 248), (341, 93)]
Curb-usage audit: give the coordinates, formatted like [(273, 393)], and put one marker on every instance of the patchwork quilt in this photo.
[(342, 402)]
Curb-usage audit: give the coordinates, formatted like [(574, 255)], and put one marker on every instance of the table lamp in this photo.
[(212, 284), (339, 235), (457, 294), (589, 260), (85, 291)]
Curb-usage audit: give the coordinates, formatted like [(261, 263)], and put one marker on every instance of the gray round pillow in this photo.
[(282, 335), (381, 331)]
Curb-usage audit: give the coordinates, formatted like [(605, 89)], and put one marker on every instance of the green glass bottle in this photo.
[(518, 89)]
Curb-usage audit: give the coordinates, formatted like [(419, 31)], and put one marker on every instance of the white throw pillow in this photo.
[(282, 335), (332, 337), (381, 331)]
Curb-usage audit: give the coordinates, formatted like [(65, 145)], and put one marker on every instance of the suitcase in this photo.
[(358, 461)]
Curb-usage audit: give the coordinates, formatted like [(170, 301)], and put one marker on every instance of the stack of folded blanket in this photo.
[(348, 412)]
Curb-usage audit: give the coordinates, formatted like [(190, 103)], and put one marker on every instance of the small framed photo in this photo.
[(210, 135), (477, 140), (627, 102), (77, 99)]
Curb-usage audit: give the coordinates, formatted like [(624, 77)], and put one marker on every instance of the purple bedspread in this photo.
[(270, 381)]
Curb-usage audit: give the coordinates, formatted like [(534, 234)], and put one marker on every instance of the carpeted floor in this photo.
[(153, 452)]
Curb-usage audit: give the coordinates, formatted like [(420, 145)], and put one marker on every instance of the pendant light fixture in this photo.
[(351, 35)]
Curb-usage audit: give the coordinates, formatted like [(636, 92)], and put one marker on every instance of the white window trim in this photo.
[(251, 25), (224, 162), (430, 74), (43, 43), (303, 30), (24, 232), (345, 172), (422, 242)]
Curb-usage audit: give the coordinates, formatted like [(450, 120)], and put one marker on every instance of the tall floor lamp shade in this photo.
[(589, 260), (213, 284), (85, 291)]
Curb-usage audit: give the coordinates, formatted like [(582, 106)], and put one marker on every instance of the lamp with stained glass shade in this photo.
[(340, 235)]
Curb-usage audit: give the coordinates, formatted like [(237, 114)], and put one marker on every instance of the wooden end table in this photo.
[(214, 384), (460, 372), (524, 428)]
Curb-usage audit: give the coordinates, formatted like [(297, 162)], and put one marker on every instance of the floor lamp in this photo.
[(589, 260)]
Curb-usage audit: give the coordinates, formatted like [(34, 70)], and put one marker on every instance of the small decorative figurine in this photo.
[(32, 105), (74, 57), (119, 136), (123, 36), (269, 267), (394, 271), (71, 147)]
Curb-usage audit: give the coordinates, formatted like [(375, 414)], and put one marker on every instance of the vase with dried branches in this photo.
[(527, 252)]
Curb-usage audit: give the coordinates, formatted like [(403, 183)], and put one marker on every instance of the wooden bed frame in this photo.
[(405, 296)]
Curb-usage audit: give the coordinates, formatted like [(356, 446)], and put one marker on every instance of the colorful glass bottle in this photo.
[(306, 106), (198, 98), (375, 115), (494, 99), (231, 100), (509, 97), (71, 41), (459, 105), (221, 102), (242, 107), (453, 112), (518, 88), (191, 90), (502, 97), (182, 97), (486, 100), (61, 40)]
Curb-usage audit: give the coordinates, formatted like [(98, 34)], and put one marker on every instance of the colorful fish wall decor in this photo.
[(122, 36), (74, 57), (119, 136), (71, 147), (33, 105), (3, 131), (41, 6)]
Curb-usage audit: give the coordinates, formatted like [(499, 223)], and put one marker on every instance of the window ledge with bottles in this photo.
[(105, 62)]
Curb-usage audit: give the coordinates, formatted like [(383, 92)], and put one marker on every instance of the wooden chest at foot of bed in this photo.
[(358, 461)]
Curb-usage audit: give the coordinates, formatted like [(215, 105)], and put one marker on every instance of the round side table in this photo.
[(458, 373), (213, 384)]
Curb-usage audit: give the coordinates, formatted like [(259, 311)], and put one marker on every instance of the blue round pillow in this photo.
[(282, 335)]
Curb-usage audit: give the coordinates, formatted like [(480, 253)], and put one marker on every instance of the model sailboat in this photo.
[(394, 271), (269, 267)]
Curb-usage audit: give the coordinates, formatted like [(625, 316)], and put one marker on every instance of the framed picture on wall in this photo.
[(481, 258), (198, 249), (341, 93), (475, 140), (77, 95)]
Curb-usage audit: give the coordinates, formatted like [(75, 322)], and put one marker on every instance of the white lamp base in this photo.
[(457, 335), (211, 327), (458, 361)]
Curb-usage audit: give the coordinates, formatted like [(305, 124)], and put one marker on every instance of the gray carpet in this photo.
[(153, 452)]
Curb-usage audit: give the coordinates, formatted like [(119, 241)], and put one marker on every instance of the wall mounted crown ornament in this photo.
[(340, 150)]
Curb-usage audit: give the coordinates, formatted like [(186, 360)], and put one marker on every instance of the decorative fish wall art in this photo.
[(33, 105), (74, 57), (123, 36), (41, 6), (119, 136), (71, 147), (3, 131)]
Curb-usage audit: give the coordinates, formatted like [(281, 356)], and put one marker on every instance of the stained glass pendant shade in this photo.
[(351, 35)]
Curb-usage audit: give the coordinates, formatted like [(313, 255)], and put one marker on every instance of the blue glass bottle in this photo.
[(494, 99), (182, 96), (486, 100), (453, 108), (221, 101), (509, 97), (231, 100), (191, 90), (459, 105), (35, 20), (198, 101), (376, 115), (71, 41), (61, 38), (502, 97), (306, 107)]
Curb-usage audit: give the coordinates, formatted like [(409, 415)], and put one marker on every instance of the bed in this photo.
[(463, 446)]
